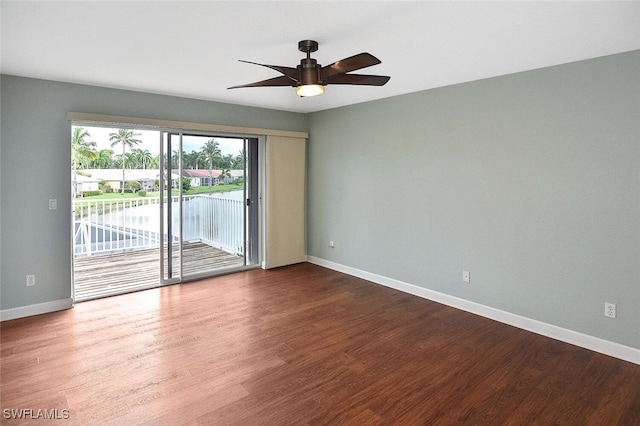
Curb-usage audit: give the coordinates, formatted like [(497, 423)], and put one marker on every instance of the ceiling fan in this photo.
[(309, 78)]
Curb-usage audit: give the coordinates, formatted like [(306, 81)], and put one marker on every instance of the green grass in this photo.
[(108, 196), (192, 191), (206, 190)]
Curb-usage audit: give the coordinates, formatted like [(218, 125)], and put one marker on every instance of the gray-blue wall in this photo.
[(529, 181), (35, 166)]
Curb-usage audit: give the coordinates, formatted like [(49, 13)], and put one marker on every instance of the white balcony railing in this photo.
[(108, 226)]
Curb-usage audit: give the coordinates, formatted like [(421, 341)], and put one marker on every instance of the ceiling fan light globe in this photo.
[(307, 90)]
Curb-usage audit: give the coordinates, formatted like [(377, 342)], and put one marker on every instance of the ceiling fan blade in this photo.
[(359, 79), (352, 63), (276, 81), (292, 73)]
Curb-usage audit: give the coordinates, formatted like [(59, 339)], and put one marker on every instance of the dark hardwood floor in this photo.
[(300, 345)]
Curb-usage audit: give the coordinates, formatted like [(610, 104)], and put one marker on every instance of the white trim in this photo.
[(596, 344), (37, 309), (184, 125)]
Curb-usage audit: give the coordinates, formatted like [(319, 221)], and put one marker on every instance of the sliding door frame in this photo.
[(166, 220), (222, 130)]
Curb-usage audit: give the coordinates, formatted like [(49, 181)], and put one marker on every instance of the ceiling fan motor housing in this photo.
[(309, 72)]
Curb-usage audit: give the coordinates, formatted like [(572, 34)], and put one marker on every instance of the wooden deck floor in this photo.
[(106, 275)]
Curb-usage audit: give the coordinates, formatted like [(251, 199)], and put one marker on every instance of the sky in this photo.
[(151, 141)]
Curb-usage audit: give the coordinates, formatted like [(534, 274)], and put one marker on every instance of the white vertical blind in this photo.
[(285, 201)]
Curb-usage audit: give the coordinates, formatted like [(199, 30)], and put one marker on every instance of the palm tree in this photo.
[(104, 159), (211, 152), (238, 160), (226, 161), (144, 157), (154, 163), (191, 160), (224, 173), (127, 138), (131, 160), (82, 152)]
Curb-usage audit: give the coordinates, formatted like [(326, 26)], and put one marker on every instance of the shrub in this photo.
[(91, 193), (142, 193), (186, 184), (133, 185), (107, 189)]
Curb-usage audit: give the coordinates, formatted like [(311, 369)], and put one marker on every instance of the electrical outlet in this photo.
[(331, 245), (610, 310), (466, 276), (31, 280)]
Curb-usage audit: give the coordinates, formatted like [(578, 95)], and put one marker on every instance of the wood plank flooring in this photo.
[(300, 345), (108, 274)]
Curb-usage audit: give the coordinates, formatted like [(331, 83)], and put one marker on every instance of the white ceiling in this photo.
[(191, 49)]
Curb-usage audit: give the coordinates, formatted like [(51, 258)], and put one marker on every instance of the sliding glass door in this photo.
[(208, 205), (154, 207)]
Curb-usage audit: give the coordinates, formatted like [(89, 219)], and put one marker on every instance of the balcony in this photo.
[(117, 242)]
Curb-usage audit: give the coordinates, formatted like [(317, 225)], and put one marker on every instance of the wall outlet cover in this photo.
[(610, 310)]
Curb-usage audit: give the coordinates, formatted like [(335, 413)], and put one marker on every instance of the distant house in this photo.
[(113, 177), (148, 178), (236, 174), (200, 177), (80, 183)]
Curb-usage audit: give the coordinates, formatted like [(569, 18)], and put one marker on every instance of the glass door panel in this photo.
[(213, 204), (115, 210)]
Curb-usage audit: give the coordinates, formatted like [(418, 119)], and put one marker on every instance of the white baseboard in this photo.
[(565, 335), (37, 309)]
